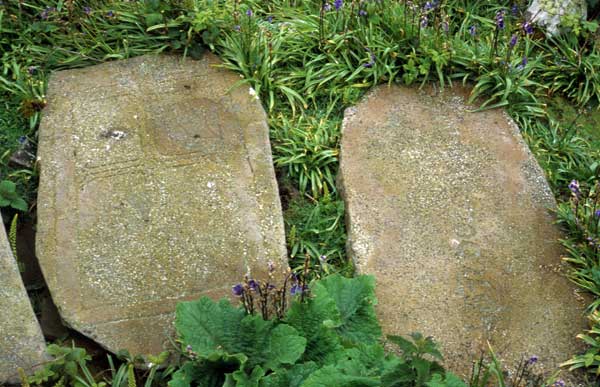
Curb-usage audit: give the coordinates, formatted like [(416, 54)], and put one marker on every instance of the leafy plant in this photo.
[(590, 360), (9, 196), (328, 339), (68, 368)]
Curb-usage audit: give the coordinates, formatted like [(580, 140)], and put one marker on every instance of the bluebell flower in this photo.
[(532, 360), (249, 13), (597, 213), (514, 9), (559, 383), (46, 12), (574, 188), (371, 62), (22, 140), (523, 63), (500, 19), (110, 14), (424, 21), (270, 19), (472, 30), (428, 6), (326, 7), (362, 12), (252, 284), (87, 10), (528, 28), (513, 41), (237, 290), (297, 289), (338, 4), (237, 27)]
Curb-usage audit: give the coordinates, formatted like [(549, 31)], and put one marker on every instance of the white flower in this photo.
[(252, 92)]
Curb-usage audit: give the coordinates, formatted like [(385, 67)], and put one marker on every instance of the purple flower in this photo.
[(500, 19), (362, 12), (514, 10), (237, 27), (338, 4), (237, 290), (528, 28), (597, 213), (574, 187), (532, 360), (46, 12), (87, 10), (323, 258), (513, 41), (559, 383), (326, 7), (371, 62), (523, 63), (297, 289), (472, 30), (110, 14), (22, 140), (32, 70), (428, 6), (252, 284), (249, 13), (424, 21), (270, 19)]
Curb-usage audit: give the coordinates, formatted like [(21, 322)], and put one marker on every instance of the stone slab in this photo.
[(156, 186), (22, 344), (450, 211)]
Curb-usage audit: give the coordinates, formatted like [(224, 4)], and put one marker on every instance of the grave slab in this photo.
[(451, 213), (157, 186), (22, 344)]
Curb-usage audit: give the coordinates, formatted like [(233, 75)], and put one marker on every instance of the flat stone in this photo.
[(22, 344), (450, 211), (156, 186)]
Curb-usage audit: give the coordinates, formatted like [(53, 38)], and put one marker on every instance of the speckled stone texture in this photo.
[(157, 186), (21, 341), (449, 210)]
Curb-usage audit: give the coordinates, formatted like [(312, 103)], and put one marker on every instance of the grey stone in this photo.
[(550, 14), (156, 186), (22, 344), (450, 211)]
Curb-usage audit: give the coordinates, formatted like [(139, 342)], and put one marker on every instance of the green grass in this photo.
[(308, 66)]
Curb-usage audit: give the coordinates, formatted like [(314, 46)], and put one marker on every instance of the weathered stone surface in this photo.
[(21, 341), (549, 14), (449, 210), (156, 186)]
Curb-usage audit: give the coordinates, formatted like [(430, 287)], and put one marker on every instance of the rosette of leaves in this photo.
[(9, 196), (331, 339)]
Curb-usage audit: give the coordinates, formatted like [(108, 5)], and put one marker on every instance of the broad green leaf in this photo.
[(292, 377), (19, 204), (213, 329), (315, 320), (208, 326), (355, 300), (331, 376)]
